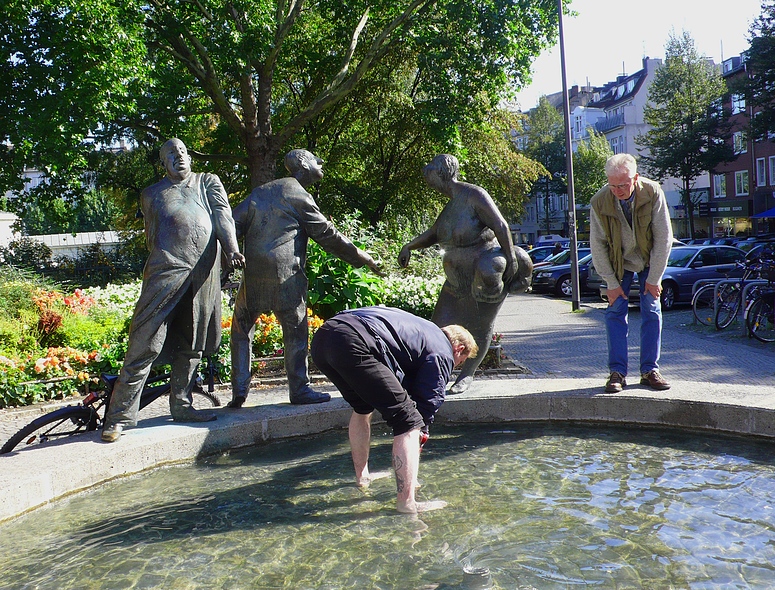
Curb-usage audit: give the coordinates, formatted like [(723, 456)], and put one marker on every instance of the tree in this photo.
[(589, 166), (689, 134), (546, 145), (759, 86), (240, 81)]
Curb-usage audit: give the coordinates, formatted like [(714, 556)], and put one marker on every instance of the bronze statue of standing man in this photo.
[(277, 220), (480, 261), (178, 315)]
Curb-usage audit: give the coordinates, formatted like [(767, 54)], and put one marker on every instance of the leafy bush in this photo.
[(414, 294)]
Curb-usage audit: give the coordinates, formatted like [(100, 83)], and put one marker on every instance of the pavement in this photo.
[(723, 382)]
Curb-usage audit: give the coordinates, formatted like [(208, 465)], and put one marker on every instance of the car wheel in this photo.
[(668, 296), (564, 287)]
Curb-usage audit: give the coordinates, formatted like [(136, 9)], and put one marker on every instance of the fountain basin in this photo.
[(34, 477)]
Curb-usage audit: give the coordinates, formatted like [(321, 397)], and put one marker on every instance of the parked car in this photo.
[(540, 253), (761, 250), (556, 279), (561, 258), (685, 266)]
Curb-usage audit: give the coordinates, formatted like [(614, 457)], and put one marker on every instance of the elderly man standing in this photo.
[(630, 234), (276, 221), (178, 314)]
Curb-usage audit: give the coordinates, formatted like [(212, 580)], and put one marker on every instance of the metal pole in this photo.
[(574, 251)]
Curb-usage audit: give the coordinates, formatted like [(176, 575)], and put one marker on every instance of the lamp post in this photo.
[(574, 252)]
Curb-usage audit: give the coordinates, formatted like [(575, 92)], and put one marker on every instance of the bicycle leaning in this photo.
[(89, 414), (760, 312)]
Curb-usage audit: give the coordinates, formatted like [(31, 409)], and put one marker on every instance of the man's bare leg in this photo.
[(406, 463), (360, 438)]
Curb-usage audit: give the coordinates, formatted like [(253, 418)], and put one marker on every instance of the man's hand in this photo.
[(654, 290), (614, 294), (404, 256), (237, 260)]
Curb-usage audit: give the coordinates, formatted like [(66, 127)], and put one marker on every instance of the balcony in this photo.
[(610, 122)]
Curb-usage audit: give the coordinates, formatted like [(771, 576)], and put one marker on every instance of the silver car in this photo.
[(685, 266)]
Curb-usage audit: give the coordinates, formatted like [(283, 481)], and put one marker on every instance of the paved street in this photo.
[(543, 334)]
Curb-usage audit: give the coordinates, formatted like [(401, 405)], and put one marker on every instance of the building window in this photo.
[(719, 185), (761, 172), (738, 104), (741, 182), (772, 170), (614, 144), (739, 143)]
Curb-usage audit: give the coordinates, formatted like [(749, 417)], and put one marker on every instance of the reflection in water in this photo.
[(530, 507)]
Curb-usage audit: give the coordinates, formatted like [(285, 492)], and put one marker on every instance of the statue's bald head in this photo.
[(304, 166), (174, 156)]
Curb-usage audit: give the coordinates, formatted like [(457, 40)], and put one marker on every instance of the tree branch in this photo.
[(341, 86)]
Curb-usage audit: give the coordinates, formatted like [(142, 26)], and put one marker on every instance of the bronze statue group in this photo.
[(379, 358)]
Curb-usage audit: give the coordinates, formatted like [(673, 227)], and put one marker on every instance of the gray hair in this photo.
[(621, 163)]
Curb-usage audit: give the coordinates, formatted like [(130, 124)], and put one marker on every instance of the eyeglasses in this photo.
[(621, 186)]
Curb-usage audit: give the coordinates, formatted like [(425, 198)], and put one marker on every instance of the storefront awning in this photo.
[(763, 214)]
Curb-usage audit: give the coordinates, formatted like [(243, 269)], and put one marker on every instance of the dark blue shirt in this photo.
[(416, 350)]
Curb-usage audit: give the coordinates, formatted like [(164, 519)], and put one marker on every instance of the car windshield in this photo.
[(680, 257), (587, 258)]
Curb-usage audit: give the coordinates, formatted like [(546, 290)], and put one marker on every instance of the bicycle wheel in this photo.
[(58, 424), (761, 317), (204, 399), (728, 305), (702, 305)]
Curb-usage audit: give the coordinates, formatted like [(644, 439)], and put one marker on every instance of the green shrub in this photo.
[(334, 285)]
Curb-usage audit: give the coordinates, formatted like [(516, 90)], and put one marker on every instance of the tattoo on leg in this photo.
[(398, 465)]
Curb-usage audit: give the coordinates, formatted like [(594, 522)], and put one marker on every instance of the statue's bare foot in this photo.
[(461, 385), (363, 482)]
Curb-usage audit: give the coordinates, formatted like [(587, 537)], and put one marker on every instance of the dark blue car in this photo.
[(557, 279)]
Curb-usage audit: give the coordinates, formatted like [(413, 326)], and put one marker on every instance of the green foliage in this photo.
[(689, 131), (27, 254), (90, 336), (242, 83), (589, 166), (334, 285), (758, 86), (546, 145)]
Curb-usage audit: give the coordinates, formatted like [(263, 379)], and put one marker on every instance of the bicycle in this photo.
[(705, 301), (89, 415), (760, 313), (730, 298)]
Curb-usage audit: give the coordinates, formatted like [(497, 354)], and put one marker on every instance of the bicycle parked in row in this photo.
[(760, 312), (719, 305), (89, 415)]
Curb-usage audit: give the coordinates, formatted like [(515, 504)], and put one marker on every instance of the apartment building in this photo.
[(743, 191), (615, 110)]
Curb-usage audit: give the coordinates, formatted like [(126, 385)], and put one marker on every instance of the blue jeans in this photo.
[(617, 328)]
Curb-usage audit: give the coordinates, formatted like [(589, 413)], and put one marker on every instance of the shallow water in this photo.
[(539, 507)]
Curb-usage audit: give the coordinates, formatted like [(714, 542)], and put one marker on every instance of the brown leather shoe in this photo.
[(616, 382), (654, 380)]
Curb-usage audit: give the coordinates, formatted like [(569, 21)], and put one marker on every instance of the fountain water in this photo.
[(530, 506)]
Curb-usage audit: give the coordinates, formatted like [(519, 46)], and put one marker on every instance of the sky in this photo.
[(609, 37)]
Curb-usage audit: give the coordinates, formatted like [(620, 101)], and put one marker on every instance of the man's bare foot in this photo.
[(415, 507), (365, 480)]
